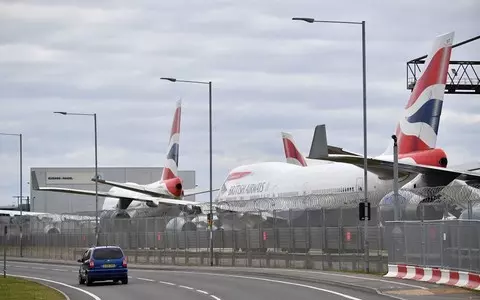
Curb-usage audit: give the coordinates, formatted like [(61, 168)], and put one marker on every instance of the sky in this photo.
[(269, 74)]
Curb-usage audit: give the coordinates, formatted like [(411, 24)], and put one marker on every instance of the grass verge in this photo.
[(12, 288)]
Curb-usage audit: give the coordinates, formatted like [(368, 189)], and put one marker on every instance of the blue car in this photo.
[(103, 263)]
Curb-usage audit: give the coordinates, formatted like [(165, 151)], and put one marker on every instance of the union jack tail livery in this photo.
[(291, 152), (417, 130), (170, 168)]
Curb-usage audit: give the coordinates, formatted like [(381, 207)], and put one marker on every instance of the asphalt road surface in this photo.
[(181, 285)]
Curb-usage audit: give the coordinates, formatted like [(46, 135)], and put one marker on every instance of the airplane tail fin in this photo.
[(292, 154), (417, 129), (170, 168)]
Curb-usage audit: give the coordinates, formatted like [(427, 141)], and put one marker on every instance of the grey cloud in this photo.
[(269, 72)]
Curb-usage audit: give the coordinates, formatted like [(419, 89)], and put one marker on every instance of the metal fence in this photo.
[(314, 239), (450, 244), (263, 233)]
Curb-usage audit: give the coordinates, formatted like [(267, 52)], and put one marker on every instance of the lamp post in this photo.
[(396, 204), (21, 189), (365, 174), (94, 115), (209, 83)]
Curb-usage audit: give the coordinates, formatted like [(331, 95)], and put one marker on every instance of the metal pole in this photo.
[(5, 253), (210, 153), (96, 179), (365, 171), (21, 199), (395, 179)]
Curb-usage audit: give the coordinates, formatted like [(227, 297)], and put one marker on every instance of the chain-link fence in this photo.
[(260, 232), (449, 244), (314, 239)]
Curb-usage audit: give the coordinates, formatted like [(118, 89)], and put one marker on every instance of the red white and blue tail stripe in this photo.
[(170, 169), (291, 152), (417, 130)]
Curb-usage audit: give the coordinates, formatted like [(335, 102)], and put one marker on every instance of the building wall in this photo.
[(80, 178)]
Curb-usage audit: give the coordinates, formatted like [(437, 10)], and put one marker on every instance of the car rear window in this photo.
[(107, 253)]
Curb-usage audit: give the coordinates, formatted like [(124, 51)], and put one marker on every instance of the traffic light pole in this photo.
[(5, 253), (210, 225)]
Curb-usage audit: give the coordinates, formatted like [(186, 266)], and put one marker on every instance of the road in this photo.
[(181, 285)]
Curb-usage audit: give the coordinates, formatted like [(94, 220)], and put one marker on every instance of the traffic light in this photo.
[(210, 219), (364, 213)]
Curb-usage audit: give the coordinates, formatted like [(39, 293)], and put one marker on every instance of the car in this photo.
[(102, 263)]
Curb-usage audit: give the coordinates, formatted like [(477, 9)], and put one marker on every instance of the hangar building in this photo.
[(80, 178)]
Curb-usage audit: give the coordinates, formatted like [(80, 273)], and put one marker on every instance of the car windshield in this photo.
[(107, 253)]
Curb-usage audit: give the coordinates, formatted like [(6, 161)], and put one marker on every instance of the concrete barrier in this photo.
[(435, 275)]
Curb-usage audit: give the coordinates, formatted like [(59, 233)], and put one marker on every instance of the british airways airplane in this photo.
[(164, 196), (421, 163)]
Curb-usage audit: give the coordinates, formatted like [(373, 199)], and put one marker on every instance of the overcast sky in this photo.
[(269, 74)]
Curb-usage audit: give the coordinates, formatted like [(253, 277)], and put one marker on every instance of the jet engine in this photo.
[(181, 224), (51, 229), (412, 206)]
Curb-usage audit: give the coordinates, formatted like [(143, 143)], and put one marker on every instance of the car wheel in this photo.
[(88, 281), (125, 280)]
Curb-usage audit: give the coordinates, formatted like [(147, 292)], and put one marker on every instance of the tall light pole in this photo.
[(21, 188), (209, 83), (94, 115), (365, 174)]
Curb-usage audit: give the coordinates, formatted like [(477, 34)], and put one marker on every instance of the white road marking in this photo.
[(59, 270), (64, 295), (215, 297), (185, 287), (38, 268), (145, 279), (358, 277), (274, 281), (60, 283), (203, 292), (166, 282)]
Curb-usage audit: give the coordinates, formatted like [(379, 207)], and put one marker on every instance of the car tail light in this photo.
[(91, 264), (124, 263)]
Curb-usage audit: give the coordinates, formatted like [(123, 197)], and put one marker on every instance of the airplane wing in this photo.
[(384, 168), (72, 191), (144, 190), (470, 166), (107, 194), (190, 192), (139, 189), (15, 213), (145, 198), (339, 150)]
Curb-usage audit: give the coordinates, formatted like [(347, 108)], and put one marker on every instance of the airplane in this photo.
[(421, 164), (165, 195), (456, 194)]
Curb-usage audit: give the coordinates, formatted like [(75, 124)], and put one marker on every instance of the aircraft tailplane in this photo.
[(170, 168), (417, 129)]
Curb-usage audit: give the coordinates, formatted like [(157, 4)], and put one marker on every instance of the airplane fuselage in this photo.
[(274, 179)]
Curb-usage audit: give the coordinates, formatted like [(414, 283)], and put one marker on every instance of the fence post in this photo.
[(423, 237)]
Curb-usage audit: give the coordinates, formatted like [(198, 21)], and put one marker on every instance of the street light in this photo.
[(365, 174), (209, 83), (94, 115), (21, 197)]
